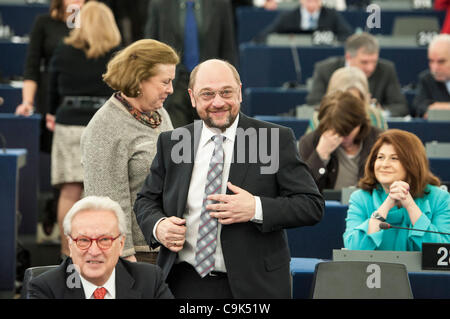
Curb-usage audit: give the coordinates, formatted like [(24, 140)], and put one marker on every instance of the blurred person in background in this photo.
[(76, 92), (352, 79), (434, 84), (337, 150)]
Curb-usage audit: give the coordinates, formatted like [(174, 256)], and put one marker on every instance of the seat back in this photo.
[(360, 280), (31, 273)]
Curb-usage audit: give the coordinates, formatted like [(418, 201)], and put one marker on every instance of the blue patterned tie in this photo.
[(312, 22), (207, 231), (191, 52)]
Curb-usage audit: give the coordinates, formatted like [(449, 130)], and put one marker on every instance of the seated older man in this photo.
[(434, 84), (95, 228)]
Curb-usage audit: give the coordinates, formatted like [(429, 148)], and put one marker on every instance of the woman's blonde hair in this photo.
[(347, 78), (137, 63), (98, 32)]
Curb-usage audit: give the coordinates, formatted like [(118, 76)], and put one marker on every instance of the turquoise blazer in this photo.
[(435, 206)]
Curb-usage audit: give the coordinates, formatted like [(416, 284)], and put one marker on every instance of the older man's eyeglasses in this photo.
[(103, 242), (208, 95)]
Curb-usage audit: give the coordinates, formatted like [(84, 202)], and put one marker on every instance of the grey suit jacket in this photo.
[(133, 281), (383, 84), (256, 255)]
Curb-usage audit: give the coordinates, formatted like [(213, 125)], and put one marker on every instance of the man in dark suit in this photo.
[(434, 84), (362, 51), (94, 270), (213, 37), (264, 194), (308, 17)]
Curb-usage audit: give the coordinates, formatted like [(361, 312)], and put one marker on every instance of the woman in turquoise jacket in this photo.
[(397, 188)]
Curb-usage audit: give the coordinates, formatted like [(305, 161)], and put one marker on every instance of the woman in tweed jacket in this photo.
[(119, 143)]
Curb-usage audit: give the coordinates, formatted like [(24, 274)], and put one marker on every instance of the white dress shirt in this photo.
[(110, 286), (305, 23)]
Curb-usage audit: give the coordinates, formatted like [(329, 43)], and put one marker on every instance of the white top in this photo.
[(110, 286)]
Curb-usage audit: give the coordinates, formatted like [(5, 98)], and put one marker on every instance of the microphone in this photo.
[(297, 67), (384, 225)]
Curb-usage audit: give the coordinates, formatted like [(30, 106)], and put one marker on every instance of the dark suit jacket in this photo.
[(133, 281), (256, 255), (216, 36), (429, 91), (215, 27), (290, 22), (327, 180), (383, 84)]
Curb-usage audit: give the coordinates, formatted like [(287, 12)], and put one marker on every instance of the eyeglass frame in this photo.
[(207, 98), (94, 239)]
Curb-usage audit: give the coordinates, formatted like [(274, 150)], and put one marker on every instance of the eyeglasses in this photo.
[(103, 242), (210, 95)]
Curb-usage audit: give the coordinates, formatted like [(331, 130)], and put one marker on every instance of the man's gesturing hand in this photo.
[(171, 232), (236, 208)]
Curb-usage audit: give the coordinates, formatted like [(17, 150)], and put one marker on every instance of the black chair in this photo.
[(31, 273), (360, 280)]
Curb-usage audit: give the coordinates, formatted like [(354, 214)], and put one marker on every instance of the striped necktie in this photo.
[(207, 231)]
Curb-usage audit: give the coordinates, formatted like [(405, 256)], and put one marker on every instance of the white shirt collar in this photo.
[(306, 13), (110, 286), (208, 132)]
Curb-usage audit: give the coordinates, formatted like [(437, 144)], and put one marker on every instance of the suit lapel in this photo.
[(125, 283), (238, 171), (74, 287), (185, 171)]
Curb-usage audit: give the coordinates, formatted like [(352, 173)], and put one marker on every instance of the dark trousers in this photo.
[(185, 283)]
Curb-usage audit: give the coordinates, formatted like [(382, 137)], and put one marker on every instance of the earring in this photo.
[(139, 93)]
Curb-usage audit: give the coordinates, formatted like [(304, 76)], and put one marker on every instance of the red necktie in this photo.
[(100, 293)]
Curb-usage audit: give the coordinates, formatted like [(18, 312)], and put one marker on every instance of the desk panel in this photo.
[(250, 21), (427, 131), (12, 97), (12, 58), (318, 241), (276, 100), (10, 164), (441, 167), (279, 64), (20, 17), (23, 132)]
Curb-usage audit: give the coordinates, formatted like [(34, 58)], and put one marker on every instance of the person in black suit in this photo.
[(94, 270), (434, 84), (362, 51), (215, 38), (263, 196), (308, 17)]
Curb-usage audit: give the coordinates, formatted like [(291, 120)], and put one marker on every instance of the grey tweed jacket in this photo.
[(117, 151)]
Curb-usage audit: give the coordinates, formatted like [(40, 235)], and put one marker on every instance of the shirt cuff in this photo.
[(154, 229), (258, 218)]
